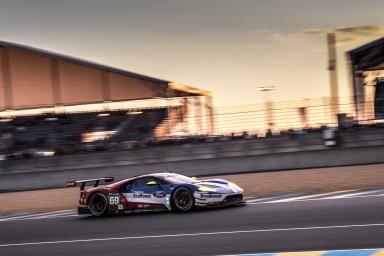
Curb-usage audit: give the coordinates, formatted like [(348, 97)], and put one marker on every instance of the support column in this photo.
[(359, 94), (198, 115), (185, 118), (7, 81), (210, 115), (169, 112)]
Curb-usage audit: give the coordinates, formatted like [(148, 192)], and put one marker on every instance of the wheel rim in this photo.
[(183, 199), (98, 205)]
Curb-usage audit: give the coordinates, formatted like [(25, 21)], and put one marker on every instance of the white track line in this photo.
[(35, 215), (50, 216), (317, 199), (357, 194), (194, 234), (271, 198), (16, 216), (310, 196)]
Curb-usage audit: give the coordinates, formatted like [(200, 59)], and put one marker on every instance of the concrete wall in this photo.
[(264, 154)]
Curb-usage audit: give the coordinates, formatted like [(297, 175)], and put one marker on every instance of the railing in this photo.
[(280, 116)]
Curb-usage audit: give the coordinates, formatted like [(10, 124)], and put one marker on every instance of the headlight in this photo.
[(233, 185), (205, 189)]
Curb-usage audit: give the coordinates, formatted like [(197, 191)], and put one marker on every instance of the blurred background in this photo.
[(283, 98), (295, 83)]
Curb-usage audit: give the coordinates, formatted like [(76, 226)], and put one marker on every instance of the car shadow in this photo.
[(165, 213)]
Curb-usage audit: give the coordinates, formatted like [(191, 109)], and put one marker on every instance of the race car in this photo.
[(154, 192)]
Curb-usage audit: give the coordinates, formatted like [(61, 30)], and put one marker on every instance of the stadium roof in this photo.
[(172, 85), (369, 56)]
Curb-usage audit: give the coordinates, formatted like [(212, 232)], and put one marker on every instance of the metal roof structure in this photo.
[(368, 57), (169, 84)]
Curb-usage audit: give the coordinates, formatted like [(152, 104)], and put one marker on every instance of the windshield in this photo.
[(179, 179)]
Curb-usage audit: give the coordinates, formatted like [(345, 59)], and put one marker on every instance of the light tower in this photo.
[(332, 68)]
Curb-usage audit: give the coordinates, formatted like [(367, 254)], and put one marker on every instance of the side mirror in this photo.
[(152, 183)]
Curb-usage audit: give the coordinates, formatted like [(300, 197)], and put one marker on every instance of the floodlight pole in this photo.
[(332, 67)]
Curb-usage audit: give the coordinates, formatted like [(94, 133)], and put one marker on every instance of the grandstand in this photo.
[(367, 76), (58, 103)]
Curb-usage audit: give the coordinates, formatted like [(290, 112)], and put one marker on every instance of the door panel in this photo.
[(140, 195)]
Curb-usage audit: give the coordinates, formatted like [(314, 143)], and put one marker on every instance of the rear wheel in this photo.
[(98, 204), (183, 200)]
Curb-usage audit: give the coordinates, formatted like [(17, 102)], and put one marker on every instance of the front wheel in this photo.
[(98, 204), (183, 200)]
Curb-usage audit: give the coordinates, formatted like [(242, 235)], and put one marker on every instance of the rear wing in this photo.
[(84, 182)]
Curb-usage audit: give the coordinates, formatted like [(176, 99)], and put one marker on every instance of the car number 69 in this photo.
[(114, 200)]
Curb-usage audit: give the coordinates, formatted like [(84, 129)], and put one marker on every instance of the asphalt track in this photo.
[(307, 225)]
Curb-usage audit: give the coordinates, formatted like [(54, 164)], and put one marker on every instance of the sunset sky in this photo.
[(226, 46)]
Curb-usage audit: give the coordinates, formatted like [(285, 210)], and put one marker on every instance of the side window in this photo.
[(127, 187), (156, 179), (143, 181)]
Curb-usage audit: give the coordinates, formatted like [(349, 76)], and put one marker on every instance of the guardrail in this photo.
[(206, 158)]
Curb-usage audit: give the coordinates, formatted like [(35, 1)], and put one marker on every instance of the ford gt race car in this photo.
[(159, 191)]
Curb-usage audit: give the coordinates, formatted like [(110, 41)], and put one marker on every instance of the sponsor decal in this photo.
[(159, 194), (141, 194), (211, 195), (120, 207)]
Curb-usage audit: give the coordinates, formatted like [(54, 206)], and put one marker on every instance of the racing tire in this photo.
[(182, 200), (98, 205)]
